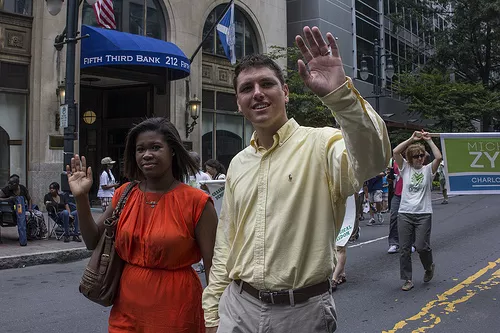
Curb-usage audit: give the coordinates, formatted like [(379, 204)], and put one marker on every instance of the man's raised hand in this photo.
[(325, 71)]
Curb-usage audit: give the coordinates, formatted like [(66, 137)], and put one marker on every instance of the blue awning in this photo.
[(110, 47)]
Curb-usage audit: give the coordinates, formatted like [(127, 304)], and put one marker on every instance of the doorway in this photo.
[(4, 156), (117, 109)]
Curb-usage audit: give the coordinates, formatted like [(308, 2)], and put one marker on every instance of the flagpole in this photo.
[(210, 31)]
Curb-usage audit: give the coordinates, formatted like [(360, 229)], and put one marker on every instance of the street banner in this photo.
[(348, 224), (472, 162), (216, 190)]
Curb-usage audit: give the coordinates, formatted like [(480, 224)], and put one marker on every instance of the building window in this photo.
[(224, 131), (366, 30), (14, 76), (245, 38), (22, 7), (368, 11), (129, 17)]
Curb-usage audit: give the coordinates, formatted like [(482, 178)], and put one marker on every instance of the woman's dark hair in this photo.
[(55, 185), (104, 167), (216, 165), (182, 163)]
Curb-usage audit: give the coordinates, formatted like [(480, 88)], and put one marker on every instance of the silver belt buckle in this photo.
[(262, 294)]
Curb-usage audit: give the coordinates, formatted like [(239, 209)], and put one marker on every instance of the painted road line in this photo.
[(429, 315), (368, 242)]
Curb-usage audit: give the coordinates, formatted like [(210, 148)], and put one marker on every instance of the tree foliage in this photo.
[(455, 106), (468, 44), (304, 106)]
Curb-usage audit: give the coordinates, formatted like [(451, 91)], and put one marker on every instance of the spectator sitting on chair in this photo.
[(18, 195), (60, 203)]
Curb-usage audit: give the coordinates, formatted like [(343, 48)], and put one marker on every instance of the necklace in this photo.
[(153, 203)]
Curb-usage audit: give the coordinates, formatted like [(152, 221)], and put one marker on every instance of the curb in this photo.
[(46, 257)]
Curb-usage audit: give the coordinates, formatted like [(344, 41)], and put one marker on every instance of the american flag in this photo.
[(104, 13)]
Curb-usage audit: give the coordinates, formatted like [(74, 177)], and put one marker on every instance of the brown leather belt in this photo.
[(283, 296)]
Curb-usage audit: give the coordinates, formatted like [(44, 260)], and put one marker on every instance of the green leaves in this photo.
[(455, 105)]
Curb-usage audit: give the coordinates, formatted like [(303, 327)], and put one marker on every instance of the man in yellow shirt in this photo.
[(285, 197)]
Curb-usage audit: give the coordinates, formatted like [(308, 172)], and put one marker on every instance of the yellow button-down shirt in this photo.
[(283, 207)]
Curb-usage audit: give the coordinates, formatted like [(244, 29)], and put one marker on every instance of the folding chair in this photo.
[(58, 227)]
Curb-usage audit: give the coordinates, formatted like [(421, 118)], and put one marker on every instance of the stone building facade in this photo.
[(32, 69)]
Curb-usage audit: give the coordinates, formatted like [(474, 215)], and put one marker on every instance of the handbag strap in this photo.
[(111, 222)]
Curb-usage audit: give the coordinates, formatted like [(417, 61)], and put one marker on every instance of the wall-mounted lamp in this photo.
[(193, 109), (61, 93)]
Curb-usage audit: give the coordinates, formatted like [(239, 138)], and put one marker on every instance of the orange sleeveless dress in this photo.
[(159, 290)]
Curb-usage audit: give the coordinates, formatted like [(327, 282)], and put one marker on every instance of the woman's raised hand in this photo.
[(79, 176), (416, 136)]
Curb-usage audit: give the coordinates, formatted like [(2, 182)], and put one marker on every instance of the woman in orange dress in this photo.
[(164, 228)]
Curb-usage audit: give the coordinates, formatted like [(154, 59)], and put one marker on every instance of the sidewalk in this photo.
[(39, 252)]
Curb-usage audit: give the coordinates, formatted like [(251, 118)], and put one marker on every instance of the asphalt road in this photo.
[(464, 295)]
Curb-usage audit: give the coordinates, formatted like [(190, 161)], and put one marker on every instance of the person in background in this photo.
[(391, 180), (442, 183), (17, 195), (165, 227), (385, 193), (215, 169), (59, 202), (415, 210), (107, 183), (200, 176), (374, 188), (194, 181)]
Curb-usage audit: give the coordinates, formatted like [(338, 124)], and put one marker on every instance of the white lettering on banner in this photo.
[(184, 65), (171, 61), (151, 60), (92, 60), (486, 180), (492, 158), (478, 156), (482, 146)]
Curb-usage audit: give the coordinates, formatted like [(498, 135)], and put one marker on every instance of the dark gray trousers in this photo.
[(393, 225), (414, 227)]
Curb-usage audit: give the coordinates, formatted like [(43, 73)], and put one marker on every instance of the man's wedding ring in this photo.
[(329, 52)]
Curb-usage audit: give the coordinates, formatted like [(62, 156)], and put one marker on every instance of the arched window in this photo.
[(129, 17), (246, 41)]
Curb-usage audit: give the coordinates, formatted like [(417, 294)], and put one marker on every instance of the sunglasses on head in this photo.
[(418, 156)]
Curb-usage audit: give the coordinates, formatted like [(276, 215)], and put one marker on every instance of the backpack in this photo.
[(35, 225)]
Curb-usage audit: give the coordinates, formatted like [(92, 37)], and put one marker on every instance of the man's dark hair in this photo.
[(182, 163), (14, 176), (257, 60), (55, 185)]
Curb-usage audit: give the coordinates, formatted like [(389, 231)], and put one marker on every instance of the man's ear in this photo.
[(237, 103), (286, 92)]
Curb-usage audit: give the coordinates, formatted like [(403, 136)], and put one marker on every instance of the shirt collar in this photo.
[(281, 136)]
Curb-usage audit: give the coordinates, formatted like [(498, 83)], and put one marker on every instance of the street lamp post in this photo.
[(70, 132), (389, 71), (68, 37)]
